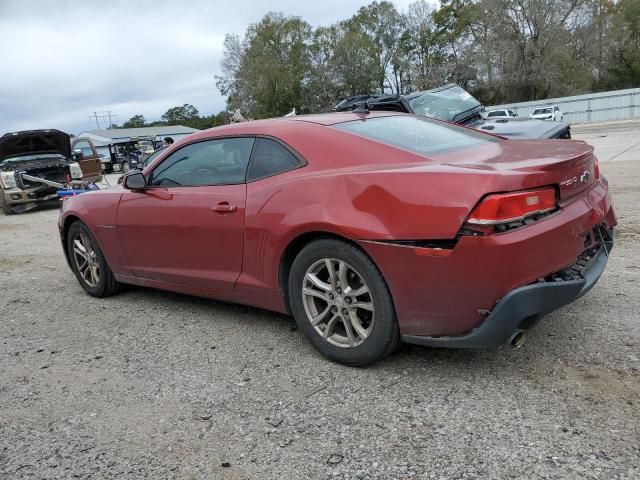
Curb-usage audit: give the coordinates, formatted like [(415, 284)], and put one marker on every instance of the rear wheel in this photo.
[(88, 263), (342, 304)]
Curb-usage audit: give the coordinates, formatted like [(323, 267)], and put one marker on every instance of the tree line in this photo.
[(186, 115), (500, 50)]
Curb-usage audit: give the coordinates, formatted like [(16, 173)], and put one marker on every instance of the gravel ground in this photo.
[(160, 385)]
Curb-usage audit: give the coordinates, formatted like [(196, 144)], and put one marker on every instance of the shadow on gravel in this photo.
[(407, 356)]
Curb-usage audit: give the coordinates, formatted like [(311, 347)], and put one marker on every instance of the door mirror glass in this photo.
[(77, 154), (134, 181)]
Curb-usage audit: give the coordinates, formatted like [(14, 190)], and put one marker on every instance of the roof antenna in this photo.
[(363, 107)]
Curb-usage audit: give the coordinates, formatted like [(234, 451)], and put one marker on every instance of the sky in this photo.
[(62, 60)]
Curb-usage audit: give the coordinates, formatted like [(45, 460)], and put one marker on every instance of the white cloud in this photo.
[(63, 60)]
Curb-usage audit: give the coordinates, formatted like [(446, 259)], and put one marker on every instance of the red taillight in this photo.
[(596, 169), (511, 207)]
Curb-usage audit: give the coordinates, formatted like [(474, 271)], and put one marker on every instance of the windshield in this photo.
[(417, 134), (445, 104), (541, 111)]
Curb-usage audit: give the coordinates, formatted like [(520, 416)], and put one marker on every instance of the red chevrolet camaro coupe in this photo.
[(369, 228)]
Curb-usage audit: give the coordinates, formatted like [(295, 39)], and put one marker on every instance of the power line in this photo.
[(97, 116)]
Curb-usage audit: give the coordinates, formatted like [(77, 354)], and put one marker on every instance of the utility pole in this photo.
[(102, 116)]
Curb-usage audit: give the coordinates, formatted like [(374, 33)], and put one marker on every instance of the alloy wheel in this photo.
[(86, 260), (338, 302)]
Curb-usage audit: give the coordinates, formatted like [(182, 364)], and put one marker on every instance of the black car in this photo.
[(454, 104)]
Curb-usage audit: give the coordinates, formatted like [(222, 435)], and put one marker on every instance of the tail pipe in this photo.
[(517, 340)]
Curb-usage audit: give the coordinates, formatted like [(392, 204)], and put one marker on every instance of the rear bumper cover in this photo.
[(522, 308)]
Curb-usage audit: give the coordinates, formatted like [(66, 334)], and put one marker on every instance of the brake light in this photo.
[(596, 169), (512, 207)]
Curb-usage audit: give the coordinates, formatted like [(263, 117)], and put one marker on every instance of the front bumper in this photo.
[(522, 308), (23, 200)]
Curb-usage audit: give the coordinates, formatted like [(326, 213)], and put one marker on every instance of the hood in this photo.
[(520, 128), (35, 142)]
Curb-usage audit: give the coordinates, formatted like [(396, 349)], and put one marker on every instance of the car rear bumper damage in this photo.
[(448, 292), (522, 308)]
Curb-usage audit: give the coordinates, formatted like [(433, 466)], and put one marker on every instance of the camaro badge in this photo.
[(584, 178)]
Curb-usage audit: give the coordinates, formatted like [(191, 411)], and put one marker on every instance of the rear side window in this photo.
[(270, 158), (417, 134), (496, 114)]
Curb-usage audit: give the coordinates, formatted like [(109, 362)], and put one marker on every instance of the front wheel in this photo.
[(6, 209), (342, 304), (88, 262), (125, 167)]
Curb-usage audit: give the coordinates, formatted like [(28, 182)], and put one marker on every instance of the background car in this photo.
[(502, 113), (547, 113), (454, 104), (370, 228), (35, 164)]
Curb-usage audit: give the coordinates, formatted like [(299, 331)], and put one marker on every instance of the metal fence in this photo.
[(590, 108)]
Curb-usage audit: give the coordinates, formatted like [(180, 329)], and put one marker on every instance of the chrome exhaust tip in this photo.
[(517, 340)]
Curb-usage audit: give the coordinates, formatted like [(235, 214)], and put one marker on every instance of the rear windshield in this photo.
[(417, 134)]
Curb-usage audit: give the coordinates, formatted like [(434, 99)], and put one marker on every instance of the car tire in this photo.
[(125, 167), (88, 262), (6, 209), (359, 326)]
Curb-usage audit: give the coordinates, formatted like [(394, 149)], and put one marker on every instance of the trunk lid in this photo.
[(567, 164)]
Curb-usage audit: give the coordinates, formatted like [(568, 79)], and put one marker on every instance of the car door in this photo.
[(90, 160), (187, 226)]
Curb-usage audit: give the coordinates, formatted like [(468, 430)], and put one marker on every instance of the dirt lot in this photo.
[(151, 384)]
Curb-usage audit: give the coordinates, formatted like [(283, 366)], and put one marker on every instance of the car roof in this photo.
[(274, 125), (284, 128), (339, 117)]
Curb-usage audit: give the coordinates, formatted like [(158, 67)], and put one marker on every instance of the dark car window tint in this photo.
[(271, 158), (417, 134), (212, 162), (495, 114), (87, 151), (511, 113)]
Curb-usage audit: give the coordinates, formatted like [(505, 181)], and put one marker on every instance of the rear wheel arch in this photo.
[(296, 245)]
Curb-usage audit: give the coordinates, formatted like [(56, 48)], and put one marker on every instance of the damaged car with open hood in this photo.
[(35, 164), (454, 104)]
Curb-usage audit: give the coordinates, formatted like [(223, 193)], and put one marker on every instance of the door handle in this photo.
[(224, 207)]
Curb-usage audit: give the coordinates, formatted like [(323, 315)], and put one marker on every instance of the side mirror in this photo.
[(77, 154), (134, 181)]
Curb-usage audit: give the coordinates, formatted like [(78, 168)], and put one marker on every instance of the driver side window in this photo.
[(211, 162)]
